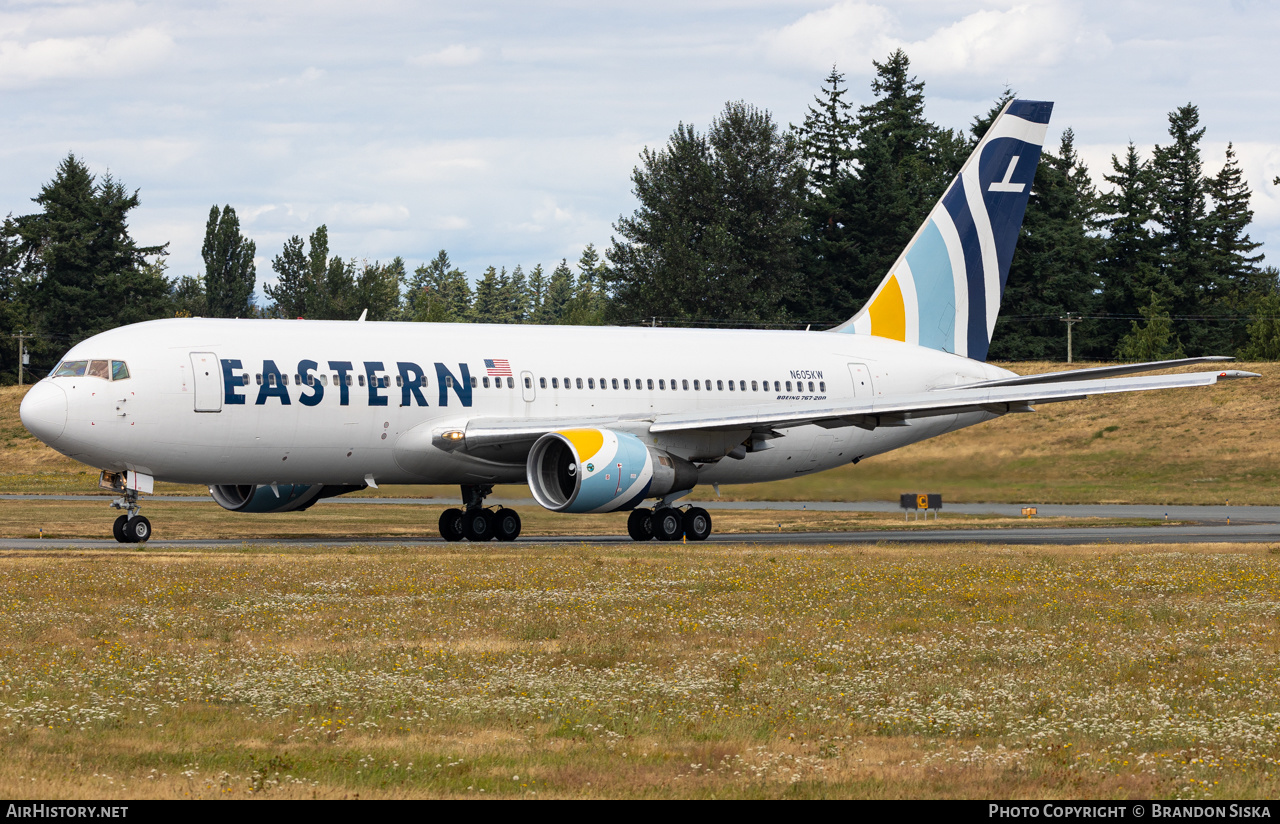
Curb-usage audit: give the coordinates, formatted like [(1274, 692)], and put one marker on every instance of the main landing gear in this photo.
[(130, 528), (667, 523), (475, 522)]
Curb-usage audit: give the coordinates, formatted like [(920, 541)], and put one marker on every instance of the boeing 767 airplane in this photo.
[(274, 415)]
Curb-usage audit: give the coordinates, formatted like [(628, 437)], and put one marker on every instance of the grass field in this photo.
[(1192, 446), (642, 671)]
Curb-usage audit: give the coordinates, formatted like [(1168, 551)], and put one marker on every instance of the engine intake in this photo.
[(600, 470), (258, 498)]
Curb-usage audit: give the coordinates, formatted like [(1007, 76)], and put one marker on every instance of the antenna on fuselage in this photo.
[(362, 315)]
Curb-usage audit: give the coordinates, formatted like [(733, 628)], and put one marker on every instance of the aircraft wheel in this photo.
[(668, 524), (640, 524), (137, 530), (697, 523), (117, 529), (478, 525), (451, 524), (507, 524)]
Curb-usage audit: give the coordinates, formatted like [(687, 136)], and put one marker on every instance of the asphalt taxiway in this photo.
[(1186, 524)]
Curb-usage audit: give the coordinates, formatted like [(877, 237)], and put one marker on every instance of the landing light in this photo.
[(454, 435)]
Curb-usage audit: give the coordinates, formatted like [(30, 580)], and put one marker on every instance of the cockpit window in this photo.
[(107, 370), (71, 369)]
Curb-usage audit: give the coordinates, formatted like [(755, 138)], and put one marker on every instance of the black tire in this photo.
[(451, 524), (640, 524), (478, 525), (137, 530), (697, 523), (506, 524), (668, 524), (117, 529)]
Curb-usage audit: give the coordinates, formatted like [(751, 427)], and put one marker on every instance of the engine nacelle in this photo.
[(600, 470), (259, 498)]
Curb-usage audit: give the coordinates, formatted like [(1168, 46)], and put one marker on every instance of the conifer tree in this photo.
[(1053, 270), (1152, 340), (515, 293), (537, 291), (1264, 328), (229, 270), (559, 294), (439, 293), (1237, 277), (827, 136), (82, 273), (1129, 267), (490, 304), (1179, 197), (587, 306)]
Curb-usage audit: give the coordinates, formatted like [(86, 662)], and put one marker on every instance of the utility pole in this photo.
[(1070, 319), (22, 351)]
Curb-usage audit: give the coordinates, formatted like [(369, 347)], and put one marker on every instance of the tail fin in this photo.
[(944, 290)]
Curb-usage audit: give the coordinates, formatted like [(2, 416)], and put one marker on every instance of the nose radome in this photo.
[(44, 411)]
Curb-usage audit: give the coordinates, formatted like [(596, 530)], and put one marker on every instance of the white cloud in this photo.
[(455, 55), (986, 42), (81, 58), (846, 34)]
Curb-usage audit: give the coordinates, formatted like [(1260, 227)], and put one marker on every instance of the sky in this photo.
[(507, 133)]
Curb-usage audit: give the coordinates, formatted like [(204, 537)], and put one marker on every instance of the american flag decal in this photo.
[(498, 367)]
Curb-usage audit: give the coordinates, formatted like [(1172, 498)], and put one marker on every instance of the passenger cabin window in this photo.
[(360, 379), (753, 386), (662, 384), (245, 376), (626, 383), (257, 379), (555, 383), (448, 381), (486, 383), (579, 383), (697, 387), (651, 384), (720, 385), (474, 382), (591, 383), (777, 387), (542, 383), (730, 386), (684, 385), (788, 386), (511, 383)]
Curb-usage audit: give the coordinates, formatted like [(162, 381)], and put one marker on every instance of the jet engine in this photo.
[(600, 470), (281, 498)]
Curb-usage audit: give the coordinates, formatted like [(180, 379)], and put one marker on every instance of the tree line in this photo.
[(746, 223)]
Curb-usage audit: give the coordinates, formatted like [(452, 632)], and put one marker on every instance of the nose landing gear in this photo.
[(130, 528)]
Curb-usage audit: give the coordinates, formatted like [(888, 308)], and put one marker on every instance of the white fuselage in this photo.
[(261, 434)]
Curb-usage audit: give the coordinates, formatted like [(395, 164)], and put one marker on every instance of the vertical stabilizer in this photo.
[(943, 292)]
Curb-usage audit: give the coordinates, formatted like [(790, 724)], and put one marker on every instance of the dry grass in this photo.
[(1191, 446), (192, 520), (643, 671)]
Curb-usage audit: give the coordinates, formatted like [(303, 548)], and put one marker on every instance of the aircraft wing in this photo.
[(508, 440), (893, 411), (1093, 372)]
